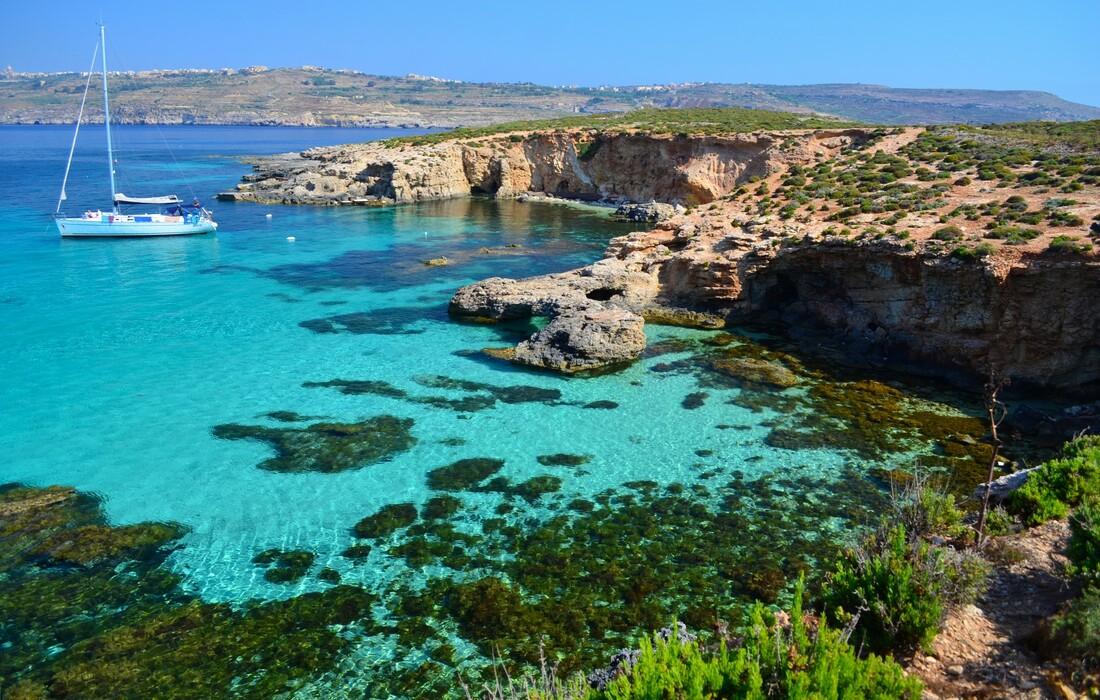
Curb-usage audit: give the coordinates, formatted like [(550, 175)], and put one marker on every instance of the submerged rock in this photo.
[(758, 372), (563, 459), (463, 474), (386, 521), (602, 404), (289, 566), (327, 447)]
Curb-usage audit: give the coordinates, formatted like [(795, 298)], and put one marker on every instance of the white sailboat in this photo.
[(174, 217)]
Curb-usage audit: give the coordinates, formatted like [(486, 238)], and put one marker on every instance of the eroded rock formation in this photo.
[(1030, 316), (629, 166), (839, 234)]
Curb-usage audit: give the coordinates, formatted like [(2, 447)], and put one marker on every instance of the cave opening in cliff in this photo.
[(781, 294), (604, 294)]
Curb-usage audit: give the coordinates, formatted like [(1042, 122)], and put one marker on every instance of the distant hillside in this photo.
[(319, 97)]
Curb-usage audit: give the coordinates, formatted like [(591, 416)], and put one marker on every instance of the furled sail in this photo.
[(123, 199)]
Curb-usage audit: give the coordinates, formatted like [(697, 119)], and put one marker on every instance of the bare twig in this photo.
[(996, 411)]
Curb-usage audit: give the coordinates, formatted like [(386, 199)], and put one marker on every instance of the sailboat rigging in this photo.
[(174, 218)]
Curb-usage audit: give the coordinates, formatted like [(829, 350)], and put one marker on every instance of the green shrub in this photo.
[(948, 233), (898, 584), (998, 521), (772, 662), (1068, 244), (1075, 632), (924, 508), (963, 253), (587, 150), (1061, 218), (1059, 484), (894, 586), (1084, 541), (1012, 234)]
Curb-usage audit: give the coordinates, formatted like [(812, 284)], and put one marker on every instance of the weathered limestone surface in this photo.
[(627, 166), (1033, 317)]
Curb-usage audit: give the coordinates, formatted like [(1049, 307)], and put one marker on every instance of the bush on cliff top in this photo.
[(895, 587), (704, 120)]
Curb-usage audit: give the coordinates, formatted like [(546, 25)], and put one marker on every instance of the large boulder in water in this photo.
[(585, 337)]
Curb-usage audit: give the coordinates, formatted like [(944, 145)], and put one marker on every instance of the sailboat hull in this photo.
[(126, 227), (178, 220)]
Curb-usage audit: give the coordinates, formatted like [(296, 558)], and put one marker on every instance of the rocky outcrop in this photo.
[(649, 212), (1000, 488), (1032, 317), (593, 313), (585, 337), (627, 166)]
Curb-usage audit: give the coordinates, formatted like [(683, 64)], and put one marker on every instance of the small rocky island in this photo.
[(949, 250)]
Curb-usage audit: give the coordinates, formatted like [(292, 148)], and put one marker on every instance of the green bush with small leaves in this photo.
[(1012, 235), (1084, 541), (772, 661), (1059, 484), (893, 586), (1068, 244), (948, 233)]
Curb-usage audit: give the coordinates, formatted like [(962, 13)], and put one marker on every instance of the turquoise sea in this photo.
[(119, 358)]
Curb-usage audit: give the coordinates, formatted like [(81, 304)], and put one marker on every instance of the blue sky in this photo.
[(1051, 45)]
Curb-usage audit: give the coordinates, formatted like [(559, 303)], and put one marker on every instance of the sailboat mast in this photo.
[(107, 117)]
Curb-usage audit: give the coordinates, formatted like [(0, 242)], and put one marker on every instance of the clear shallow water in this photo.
[(119, 357)]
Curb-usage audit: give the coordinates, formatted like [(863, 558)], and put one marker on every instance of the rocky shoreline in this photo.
[(744, 236)]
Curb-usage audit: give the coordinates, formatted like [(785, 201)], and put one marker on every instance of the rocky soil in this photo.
[(986, 650)]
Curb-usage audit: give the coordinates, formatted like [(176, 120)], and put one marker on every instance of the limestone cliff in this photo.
[(1033, 317), (983, 292), (634, 166)]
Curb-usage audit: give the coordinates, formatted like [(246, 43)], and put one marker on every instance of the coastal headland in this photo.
[(949, 250), (313, 96)]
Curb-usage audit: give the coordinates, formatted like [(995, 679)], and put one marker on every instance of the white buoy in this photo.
[(291, 238), (269, 216)]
